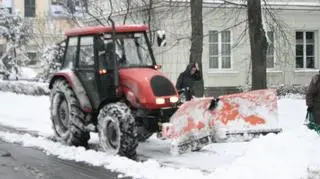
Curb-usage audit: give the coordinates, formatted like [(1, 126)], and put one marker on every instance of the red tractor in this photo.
[(109, 83)]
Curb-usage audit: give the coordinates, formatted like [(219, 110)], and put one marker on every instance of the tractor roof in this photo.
[(102, 29)]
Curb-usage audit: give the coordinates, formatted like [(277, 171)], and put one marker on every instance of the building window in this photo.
[(32, 57), (57, 10), (270, 50), (219, 50), (305, 45), (29, 8)]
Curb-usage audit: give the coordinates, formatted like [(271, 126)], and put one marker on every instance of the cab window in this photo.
[(86, 53), (71, 52)]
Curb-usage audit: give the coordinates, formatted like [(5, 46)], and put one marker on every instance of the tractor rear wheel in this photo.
[(66, 115), (117, 130)]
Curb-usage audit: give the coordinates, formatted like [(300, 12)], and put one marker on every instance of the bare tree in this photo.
[(258, 45), (47, 31), (197, 41)]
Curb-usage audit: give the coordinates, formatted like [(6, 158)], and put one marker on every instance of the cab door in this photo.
[(106, 85), (86, 68)]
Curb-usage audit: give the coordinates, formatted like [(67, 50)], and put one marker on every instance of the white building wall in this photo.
[(175, 20), (305, 21), (175, 59), (175, 56)]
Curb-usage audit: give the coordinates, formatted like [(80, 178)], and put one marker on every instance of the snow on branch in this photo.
[(14, 29), (50, 61), (16, 32)]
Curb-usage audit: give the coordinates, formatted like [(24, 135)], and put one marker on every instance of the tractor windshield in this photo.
[(132, 50)]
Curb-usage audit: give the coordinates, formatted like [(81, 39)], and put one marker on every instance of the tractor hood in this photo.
[(150, 88)]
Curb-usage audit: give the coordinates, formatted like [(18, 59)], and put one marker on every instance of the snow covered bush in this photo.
[(25, 87), (50, 61), (15, 30), (12, 66), (283, 90)]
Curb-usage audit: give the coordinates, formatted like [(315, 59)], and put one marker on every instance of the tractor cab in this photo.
[(98, 55)]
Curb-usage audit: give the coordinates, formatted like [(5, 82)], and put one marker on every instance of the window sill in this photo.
[(222, 72), (305, 70), (274, 71)]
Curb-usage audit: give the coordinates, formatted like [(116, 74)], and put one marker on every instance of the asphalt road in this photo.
[(18, 162)]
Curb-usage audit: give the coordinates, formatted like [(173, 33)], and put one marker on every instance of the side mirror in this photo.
[(161, 38)]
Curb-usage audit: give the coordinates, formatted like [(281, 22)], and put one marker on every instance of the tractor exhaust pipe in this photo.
[(114, 60)]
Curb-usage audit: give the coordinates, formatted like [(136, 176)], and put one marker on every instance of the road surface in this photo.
[(18, 162)]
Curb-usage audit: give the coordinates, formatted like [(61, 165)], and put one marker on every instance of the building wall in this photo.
[(174, 18), (305, 20), (18, 6), (47, 29), (42, 7), (43, 16), (175, 56)]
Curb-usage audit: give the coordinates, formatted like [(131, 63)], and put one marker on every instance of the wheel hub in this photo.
[(62, 120), (112, 135)]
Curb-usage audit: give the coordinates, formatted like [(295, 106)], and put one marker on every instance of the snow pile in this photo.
[(28, 73), (27, 112), (25, 87), (292, 96), (286, 155), (284, 90)]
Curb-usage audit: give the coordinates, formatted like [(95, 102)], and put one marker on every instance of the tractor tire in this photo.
[(117, 130), (66, 115)]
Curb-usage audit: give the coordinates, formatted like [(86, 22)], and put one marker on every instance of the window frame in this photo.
[(66, 61), (220, 54), (304, 46), (79, 53)]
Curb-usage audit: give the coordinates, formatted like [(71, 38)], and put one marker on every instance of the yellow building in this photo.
[(47, 19)]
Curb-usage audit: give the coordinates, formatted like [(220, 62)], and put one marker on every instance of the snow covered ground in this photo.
[(294, 153)]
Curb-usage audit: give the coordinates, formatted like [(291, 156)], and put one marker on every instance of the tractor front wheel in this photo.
[(117, 130)]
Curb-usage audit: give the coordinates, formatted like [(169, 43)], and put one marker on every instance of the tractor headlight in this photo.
[(160, 101), (174, 99)]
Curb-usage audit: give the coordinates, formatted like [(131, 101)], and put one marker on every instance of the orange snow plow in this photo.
[(205, 120)]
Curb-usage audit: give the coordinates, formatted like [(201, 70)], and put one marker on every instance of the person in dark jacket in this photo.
[(313, 98), (187, 78)]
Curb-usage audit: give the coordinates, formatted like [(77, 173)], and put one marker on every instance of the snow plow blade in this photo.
[(202, 121)]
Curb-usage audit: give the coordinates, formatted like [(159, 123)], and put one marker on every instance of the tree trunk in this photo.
[(258, 45), (197, 42)]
